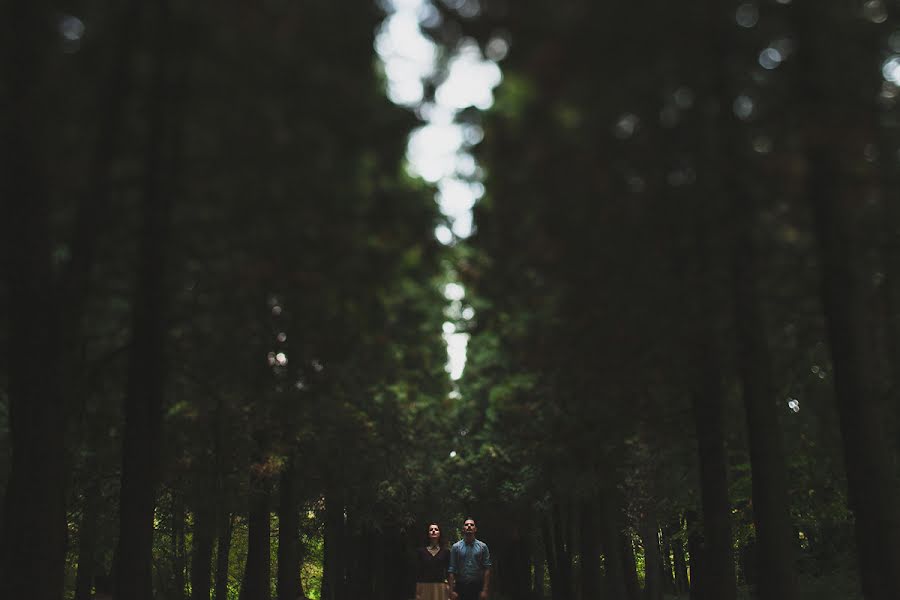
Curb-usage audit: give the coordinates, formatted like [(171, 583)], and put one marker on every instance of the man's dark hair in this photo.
[(470, 519)]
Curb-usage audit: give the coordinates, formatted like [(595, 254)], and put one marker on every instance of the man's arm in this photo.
[(486, 590), (451, 581), (451, 572), (486, 562)]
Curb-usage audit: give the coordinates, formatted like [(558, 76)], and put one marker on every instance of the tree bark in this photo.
[(288, 536), (550, 557), (667, 567), (775, 541), (87, 542), (696, 551), (146, 376), (539, 568), (257, 569), (563, 555), (223, 550), (179, 565), (33, 527), (872, 489), (333, 579), (629, 567), (202, 550), (708, 411), (590, 553), (679, 564), (653, 564), (833, 193), (612, 550)]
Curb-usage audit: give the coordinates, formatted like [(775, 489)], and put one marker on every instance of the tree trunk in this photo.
[(33, 527), (515, 578), (679, 564), (696, 551), (563, 581), (146, 376), (590, 553), (360, 574), (87, 542), (549, 556), (226, 529), (178, 546), (629, 568), (872, 490), (92, 206), (718, 565), (653, 568), (333, 569), (257, 569), (775, 540), (612, 549), (288, 536), (833, 190), (667, 568), (539, 568), (202, 550)]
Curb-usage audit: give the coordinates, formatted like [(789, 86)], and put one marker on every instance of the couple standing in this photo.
[(464, 571)]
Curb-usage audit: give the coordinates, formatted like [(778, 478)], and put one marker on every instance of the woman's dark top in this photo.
[(432, 569)]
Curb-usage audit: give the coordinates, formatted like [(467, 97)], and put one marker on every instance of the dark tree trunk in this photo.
[(333, 580), (257, 569), (550, 557), (697, 564), (834, 198), (395, 578), (202, 550), (288, 536), (679, 565), (539, 567), (718, 564), (590, 553), (872, 490), (629, 568), (775, 540), (93, 204), (653, 567), (224, 519), (87, 542), (179, 565), (512, 573), (360, 569), (225, 531), (610, 528), (668, 573), (143, 401), (32, 532), (563, 555)]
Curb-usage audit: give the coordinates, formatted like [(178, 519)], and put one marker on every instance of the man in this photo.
[(469, 573)]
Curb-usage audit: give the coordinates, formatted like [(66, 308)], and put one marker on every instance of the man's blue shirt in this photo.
[(469, 561)]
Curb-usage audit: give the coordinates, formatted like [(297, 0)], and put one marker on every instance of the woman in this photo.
[(431, 566)]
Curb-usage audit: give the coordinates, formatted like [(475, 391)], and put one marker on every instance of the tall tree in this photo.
[(32, 532), (826, 108), (146, 378)]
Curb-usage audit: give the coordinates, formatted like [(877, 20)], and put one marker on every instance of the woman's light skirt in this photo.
[(432, 591)]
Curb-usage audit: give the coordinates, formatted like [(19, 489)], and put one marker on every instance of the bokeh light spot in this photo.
[(747, 15)]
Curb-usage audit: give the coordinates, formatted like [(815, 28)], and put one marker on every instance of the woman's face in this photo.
[(434, 533)]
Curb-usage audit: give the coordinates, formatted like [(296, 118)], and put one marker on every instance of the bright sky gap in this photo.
[(438, 151)]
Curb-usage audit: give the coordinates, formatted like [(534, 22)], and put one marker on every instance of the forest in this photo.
[(225, 306)]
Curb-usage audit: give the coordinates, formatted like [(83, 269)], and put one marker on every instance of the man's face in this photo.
[(469, 527)]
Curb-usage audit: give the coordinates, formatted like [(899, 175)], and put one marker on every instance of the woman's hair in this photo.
[(440, 537)]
